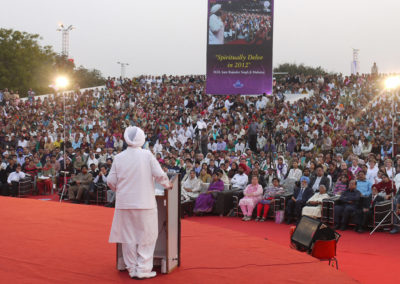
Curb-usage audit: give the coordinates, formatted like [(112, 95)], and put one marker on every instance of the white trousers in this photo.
[(138, 257)]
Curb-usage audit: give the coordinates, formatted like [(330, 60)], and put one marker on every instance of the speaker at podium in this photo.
[(167, 252)]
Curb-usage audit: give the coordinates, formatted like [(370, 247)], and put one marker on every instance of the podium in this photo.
[(167, 252)]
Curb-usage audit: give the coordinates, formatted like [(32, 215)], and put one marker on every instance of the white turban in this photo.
[(134, 136), (215, 8)]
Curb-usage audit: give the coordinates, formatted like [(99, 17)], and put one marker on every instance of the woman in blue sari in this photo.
[(205, 201)]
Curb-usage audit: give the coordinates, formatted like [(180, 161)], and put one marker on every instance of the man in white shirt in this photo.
[(92, 159), (212, 146), (191, 187), (307, 145), (240, 146), (13, 180), (261, 103), (240, 180), (372, 171), (228, 103)]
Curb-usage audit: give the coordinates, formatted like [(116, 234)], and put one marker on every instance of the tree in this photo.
[(25, 64), (294, 69), (86, 78)]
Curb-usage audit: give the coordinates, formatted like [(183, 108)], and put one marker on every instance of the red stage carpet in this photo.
[(48, 242)]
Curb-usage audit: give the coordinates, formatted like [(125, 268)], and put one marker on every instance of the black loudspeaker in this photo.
[(309, 230)]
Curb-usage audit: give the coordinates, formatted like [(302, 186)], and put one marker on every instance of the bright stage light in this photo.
[(62, 82), (392, 83)]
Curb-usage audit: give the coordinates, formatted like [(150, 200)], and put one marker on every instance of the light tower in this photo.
[(65, 38), (355, 64), (123, 68)]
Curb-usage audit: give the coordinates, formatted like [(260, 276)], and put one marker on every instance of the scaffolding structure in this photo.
[(65, 38)]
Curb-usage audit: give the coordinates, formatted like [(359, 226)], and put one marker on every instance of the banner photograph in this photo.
[(239, 51)]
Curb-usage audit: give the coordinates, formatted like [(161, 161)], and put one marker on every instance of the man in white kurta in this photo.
[(216, 26), (191, 187), (314, 204), (135, 222)]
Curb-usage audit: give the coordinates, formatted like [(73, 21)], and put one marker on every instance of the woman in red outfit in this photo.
[(45, 180)]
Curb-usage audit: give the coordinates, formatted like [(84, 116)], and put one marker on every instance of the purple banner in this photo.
[(239, 49)]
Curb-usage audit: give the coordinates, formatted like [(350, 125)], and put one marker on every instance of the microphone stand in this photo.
[(392, 211)]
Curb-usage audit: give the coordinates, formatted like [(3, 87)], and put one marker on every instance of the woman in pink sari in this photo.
[(252, 195)]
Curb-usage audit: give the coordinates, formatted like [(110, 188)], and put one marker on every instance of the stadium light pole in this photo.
[(65, 38), (392, 84), (123, 68), (62, 83)]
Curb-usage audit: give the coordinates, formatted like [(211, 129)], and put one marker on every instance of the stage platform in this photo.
[(49, 242)]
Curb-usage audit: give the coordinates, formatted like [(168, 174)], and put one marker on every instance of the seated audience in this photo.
[(204, 176), (240, 180), (99, 185), (13, 180), (268, 198), (46, 178), (314, 204), (78, 184), (341, 185), (319, 179), (347, 206), (252, 195), (363, 185), (294, 176), (298, 200), (205, 201), (364, 216), (190, 187), (386, 186)]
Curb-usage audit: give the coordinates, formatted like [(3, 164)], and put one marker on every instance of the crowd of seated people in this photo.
[(247, 26), (329, 137), (81, 183)]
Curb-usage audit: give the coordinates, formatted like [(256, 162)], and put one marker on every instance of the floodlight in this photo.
[(392, 83), (62, 82)]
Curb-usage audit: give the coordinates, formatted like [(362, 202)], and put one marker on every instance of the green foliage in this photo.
[(25, 64), (294, 69), (86, 78)]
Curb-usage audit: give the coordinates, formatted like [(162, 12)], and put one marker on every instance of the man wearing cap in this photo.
[(240, 180), (216, 26), (298, 201), (135, 222)]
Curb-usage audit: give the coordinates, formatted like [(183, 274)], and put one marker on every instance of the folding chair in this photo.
[(101, 193), (25, 187)]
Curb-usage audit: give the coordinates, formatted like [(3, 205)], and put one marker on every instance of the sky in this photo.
[(170, 36)]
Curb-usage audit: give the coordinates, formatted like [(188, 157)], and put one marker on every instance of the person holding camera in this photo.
[(79, 184)]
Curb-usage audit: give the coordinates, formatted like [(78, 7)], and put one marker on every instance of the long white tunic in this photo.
[(314, 211), (194, 185), (216, 30), (132, 177)]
